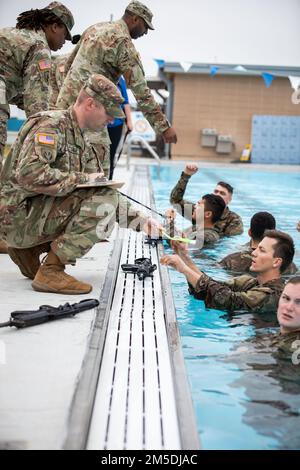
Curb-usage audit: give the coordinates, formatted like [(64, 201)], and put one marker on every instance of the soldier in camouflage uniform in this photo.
[(288, 313), (59, 70), (107, 48), (241, 260), (229, 224), (57, 76), (208, 211), (25, 63), (261, 294), (42, 207), (25, 59)]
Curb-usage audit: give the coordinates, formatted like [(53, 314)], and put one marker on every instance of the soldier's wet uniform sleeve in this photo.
[(132, 69), (36, 170), (291, 270), (241, 293), (210, 237), (36, 79), (183, 206), (239, 261), (128, 216), (234, 225)]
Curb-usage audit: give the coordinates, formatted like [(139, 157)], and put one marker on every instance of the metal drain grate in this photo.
[(133, 392), (135, 402)]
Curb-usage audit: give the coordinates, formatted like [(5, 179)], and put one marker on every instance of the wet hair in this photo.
[(260, 222), (215, 204), (293, 280), (226, 186), (76, 38), (35, 19), (284, 248)]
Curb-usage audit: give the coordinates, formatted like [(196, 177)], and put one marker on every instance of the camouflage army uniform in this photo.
[(230, 223), (107, 48), (240, 293), (38, 199), (210, 235), (284, 343), (25, 63), (241, 262), (57, 76)]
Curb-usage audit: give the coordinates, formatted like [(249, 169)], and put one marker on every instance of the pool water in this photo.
[(243, 398)]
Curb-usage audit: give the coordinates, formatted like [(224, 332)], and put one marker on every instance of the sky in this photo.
[(260, 32)]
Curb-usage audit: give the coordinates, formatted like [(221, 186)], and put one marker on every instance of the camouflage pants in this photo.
[(73, 223), (100, 142), (4, 116)]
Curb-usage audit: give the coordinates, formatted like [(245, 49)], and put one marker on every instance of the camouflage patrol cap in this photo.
[(64, 14), (106, 92), (141, 10)]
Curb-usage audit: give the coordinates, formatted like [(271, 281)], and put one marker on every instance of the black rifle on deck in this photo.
[(23, 318), (142, 267)]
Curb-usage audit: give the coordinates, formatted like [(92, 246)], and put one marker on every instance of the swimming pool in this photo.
[(241, 399)]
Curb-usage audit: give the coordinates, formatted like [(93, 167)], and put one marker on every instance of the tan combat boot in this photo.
[(51, 277), (3, 247), (28, 259)]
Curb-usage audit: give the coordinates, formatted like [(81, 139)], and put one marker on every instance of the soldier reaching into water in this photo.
[(205, 232), (107, 48), (42, 208), (229, 224), (261, 294), (25, 63)]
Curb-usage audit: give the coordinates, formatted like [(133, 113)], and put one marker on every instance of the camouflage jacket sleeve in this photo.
[(132, 69), (210, 237), (183, 206), (239, 261), (241, 293), (37, 171), (128, 216), (36, 79), (54, 86), (234, 225)]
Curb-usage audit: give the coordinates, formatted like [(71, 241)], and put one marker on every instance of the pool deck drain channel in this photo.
[(140, 398)]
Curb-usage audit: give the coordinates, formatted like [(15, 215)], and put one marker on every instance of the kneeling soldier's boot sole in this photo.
[(45, 288)]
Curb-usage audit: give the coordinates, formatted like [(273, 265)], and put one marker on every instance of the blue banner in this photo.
[(268, 78), (213, 70), (160, 63)]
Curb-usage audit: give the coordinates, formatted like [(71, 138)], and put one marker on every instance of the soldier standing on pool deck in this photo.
[(107, 48)]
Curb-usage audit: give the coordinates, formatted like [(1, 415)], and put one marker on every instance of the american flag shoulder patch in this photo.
[(45, 139), (45, 64)]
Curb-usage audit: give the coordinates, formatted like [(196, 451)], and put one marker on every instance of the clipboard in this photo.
[(102, 184)]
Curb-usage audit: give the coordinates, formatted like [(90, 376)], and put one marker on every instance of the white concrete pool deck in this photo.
[(39, 366)]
